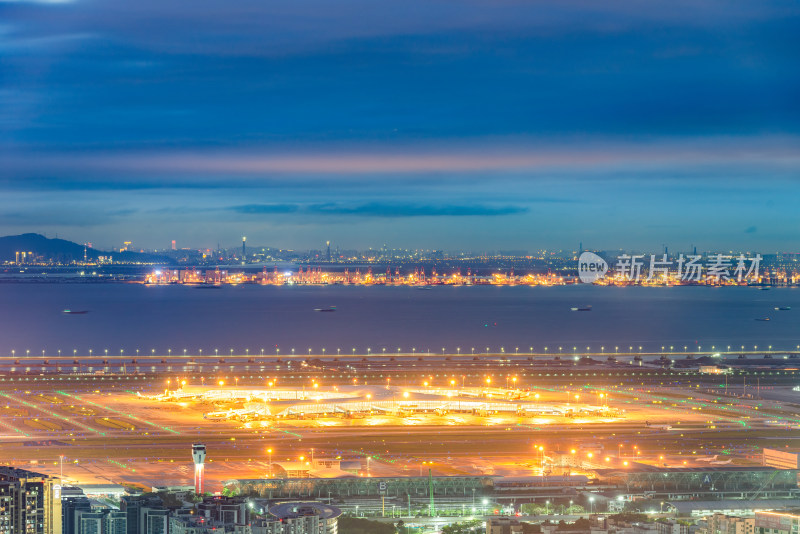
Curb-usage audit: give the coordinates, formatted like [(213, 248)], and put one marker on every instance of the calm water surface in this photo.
[(132, 316)]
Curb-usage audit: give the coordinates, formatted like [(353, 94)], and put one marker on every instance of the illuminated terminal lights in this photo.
[(255, 403), (316, 276), (418, 277)]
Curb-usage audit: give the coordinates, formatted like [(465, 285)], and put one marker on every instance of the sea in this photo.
[(278, 320)]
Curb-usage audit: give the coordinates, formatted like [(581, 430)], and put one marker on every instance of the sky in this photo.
[(469, 124)]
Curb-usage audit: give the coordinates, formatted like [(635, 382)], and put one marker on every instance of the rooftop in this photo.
[(287, 510)]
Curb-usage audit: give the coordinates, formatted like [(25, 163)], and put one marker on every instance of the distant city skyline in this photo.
[(342, 252), (420, 124)]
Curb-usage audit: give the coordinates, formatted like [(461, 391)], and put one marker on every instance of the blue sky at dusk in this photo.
[(422, 123)]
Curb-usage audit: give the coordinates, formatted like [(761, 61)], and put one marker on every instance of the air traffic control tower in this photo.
[(199, 458)]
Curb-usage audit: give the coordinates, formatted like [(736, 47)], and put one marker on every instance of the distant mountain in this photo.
[(64, 251)]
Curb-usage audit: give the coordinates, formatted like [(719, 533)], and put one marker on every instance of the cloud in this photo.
[(384, 209), (381, 209), (356, 162), (62, 216), (255, 209), (36, 1)]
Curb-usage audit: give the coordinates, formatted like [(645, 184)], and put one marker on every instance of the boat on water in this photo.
[(783, 308), (763, 319), (424, 288), (75, 312), (328, 309), (581, 308), (764, 288)]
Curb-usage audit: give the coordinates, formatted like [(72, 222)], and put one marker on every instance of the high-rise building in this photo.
[(89, 522), (30, 503), (225, 510), (69, 508), (670, 526), (215, 515), (153, 521), (99, 521), (725, 524), (115, 522), (145, 515)]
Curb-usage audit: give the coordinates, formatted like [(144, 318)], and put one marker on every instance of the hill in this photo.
[(63, 251)]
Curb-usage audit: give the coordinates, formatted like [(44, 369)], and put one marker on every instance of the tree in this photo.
[(628, 517), (575, 509), (531, 508), (465, 527)]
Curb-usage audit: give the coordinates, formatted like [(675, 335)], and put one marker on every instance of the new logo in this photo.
[(591, 267)]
